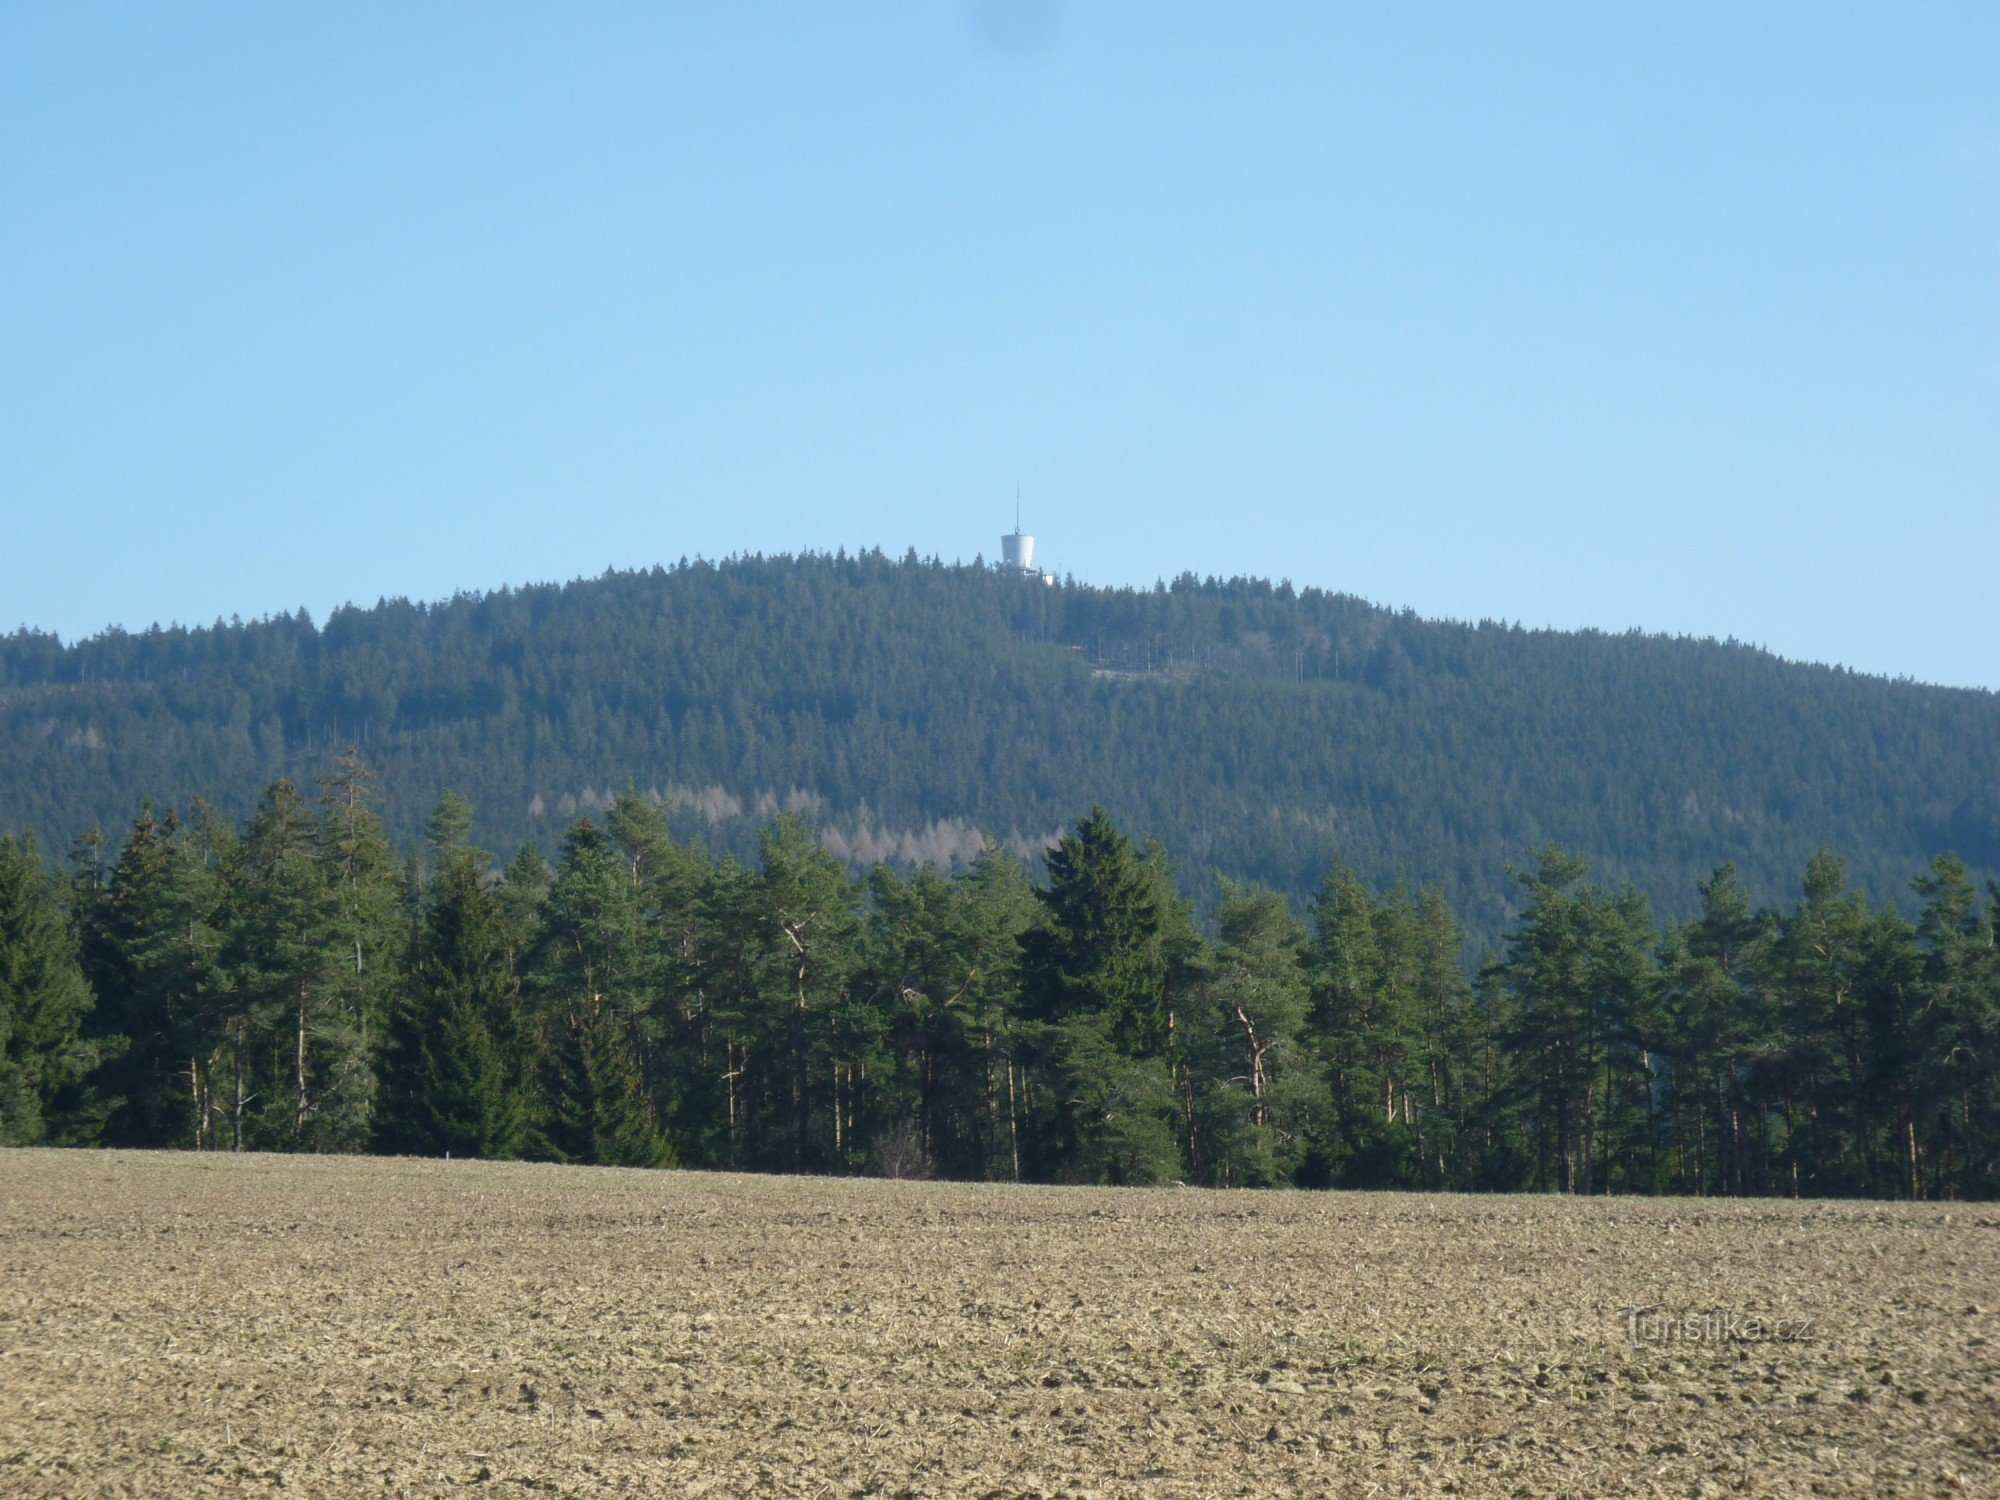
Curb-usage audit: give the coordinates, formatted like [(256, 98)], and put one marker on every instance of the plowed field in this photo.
[(176, 1325)]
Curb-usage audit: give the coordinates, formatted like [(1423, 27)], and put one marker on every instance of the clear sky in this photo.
[(1682, 316)]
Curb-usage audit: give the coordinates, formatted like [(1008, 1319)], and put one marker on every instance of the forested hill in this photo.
[(1260, 732)]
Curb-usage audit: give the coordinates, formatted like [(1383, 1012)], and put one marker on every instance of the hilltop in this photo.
[(1260, 731)]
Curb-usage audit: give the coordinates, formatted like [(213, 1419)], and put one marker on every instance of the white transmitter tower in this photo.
[(1017, 548)]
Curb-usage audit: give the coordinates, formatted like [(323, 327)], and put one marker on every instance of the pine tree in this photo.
[(808, 929), (1954, 1073), (1632, 1156), (624, 1124), (523, 887), (1973, 1073), (741, 1040), (1582, 986), (152, 947), (1257, 1083), (1391, 1043), (997, 906), (587, 966), (1718, 1017), (372, 907), (299, 1051), (1501, 1149), (668, 883), (1820, 975), (1447, 1036), (44, 999), (940, 967), (1347, 976)]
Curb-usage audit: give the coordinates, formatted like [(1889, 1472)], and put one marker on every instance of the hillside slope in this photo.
[(1261, 733)]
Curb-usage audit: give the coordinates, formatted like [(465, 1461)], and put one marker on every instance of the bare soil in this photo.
[(179, 1325)]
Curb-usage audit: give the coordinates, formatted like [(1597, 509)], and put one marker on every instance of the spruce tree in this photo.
[(1347, 976), (153, 950), (474, 1099), (587, 970), (1446, 1032), (44, 999), (459, 1072), (300, 1052), (1095, 985), (372, 907)]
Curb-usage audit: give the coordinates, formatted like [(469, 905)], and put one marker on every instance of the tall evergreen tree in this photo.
[(587, 971), (1095, 994), (1714, 971), (1953, 1087), (1446, 1035), (809, 923), (1820, 974), (941, 961), (44, 999), (300, 1049), (1348, 988), (1259, 1083), (1583, 990), (152, 947), (371, 905), (461, 1078)]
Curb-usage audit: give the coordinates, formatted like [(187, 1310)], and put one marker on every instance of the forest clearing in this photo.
[(177, 1324)]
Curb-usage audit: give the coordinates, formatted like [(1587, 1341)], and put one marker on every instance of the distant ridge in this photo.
[(904, 706)]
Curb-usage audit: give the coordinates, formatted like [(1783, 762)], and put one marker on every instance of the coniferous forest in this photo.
[(1264, 733), (293, 983)]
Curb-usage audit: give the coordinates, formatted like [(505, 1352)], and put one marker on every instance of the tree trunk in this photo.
[(236, 1133), (1256, 1072), (299, 1123), (730, 1073), (1194, 1134), (1013, 1121)]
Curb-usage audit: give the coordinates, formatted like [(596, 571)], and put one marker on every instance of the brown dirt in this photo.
[(176, 1324)]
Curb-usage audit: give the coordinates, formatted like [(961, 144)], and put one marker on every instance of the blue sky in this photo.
[(1683, 317)]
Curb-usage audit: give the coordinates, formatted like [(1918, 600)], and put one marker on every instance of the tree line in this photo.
[(294, 984)]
